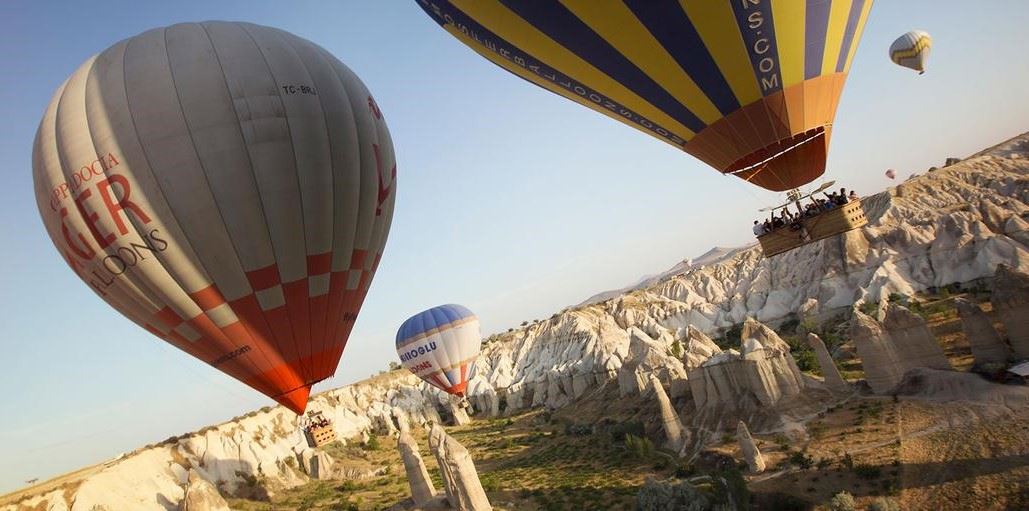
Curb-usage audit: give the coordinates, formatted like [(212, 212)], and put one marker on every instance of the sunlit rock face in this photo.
[(267, 444), (761, 374), (830, 373), (751, 454), (201, 495)]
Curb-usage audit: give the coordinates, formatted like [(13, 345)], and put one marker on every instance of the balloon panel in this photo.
[(440, 346), (227, 186), (750, 88)]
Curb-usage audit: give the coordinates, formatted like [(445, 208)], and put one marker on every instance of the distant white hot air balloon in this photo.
[(440, 346), (227, 186), (891, 174), (911, 50)]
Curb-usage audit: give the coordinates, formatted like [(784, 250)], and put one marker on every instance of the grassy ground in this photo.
[(525, 462)]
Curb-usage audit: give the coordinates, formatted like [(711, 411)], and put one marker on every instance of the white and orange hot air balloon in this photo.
[(227, 186), (440, 346)]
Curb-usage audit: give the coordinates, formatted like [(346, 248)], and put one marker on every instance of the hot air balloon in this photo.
[(891, 174), (911, 50), (750, 88), (440, 346), (229, 187)]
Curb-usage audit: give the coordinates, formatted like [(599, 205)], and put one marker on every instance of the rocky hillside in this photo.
[(951, 225), (954, 224)]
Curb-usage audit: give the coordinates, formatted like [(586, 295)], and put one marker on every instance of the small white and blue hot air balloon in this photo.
[(440, 346), (911, 50)]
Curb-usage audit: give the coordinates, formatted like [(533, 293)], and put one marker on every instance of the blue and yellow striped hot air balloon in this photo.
[(911, 50), (750, 87), (440, 346)]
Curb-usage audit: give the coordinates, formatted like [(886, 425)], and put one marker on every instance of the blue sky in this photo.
[(511, 200)]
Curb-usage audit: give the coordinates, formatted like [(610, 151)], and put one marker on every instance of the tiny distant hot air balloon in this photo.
[(750, 88), (911, 50), (440, 346), (891, 174), (227, 186)]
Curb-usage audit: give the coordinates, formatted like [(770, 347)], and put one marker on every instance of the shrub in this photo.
[(619, 431), (732, 335), (789, 326), (677, 350), (806, 361), (869, 308), (641, 447), (372, 444), (899, 298), (847, 461), (781, 440), (842, 501), (801, 460)]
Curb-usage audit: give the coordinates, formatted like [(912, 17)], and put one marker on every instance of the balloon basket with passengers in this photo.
[(814, 219), (318, 430)]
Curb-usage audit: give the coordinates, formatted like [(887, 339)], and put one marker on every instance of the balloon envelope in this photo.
[(228, 187), (440, 346), (911, 50), (891, 174), (750, 88)]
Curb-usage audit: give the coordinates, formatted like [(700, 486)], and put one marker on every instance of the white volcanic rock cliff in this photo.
[(266, 444), (956, 224)]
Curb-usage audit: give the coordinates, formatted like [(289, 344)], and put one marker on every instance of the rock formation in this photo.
[(675, 434), (830, 373), (987, 346), (318, 464), (762, 374), (751, 454), (460, 479), (912, 340), (483, 397), (889, 349), (456, 411), (1011, 301), (697, 348), (422, 489), (883, 370), (767, 338), (201, 495)]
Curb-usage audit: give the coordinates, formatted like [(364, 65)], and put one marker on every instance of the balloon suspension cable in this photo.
[(764, 163)]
